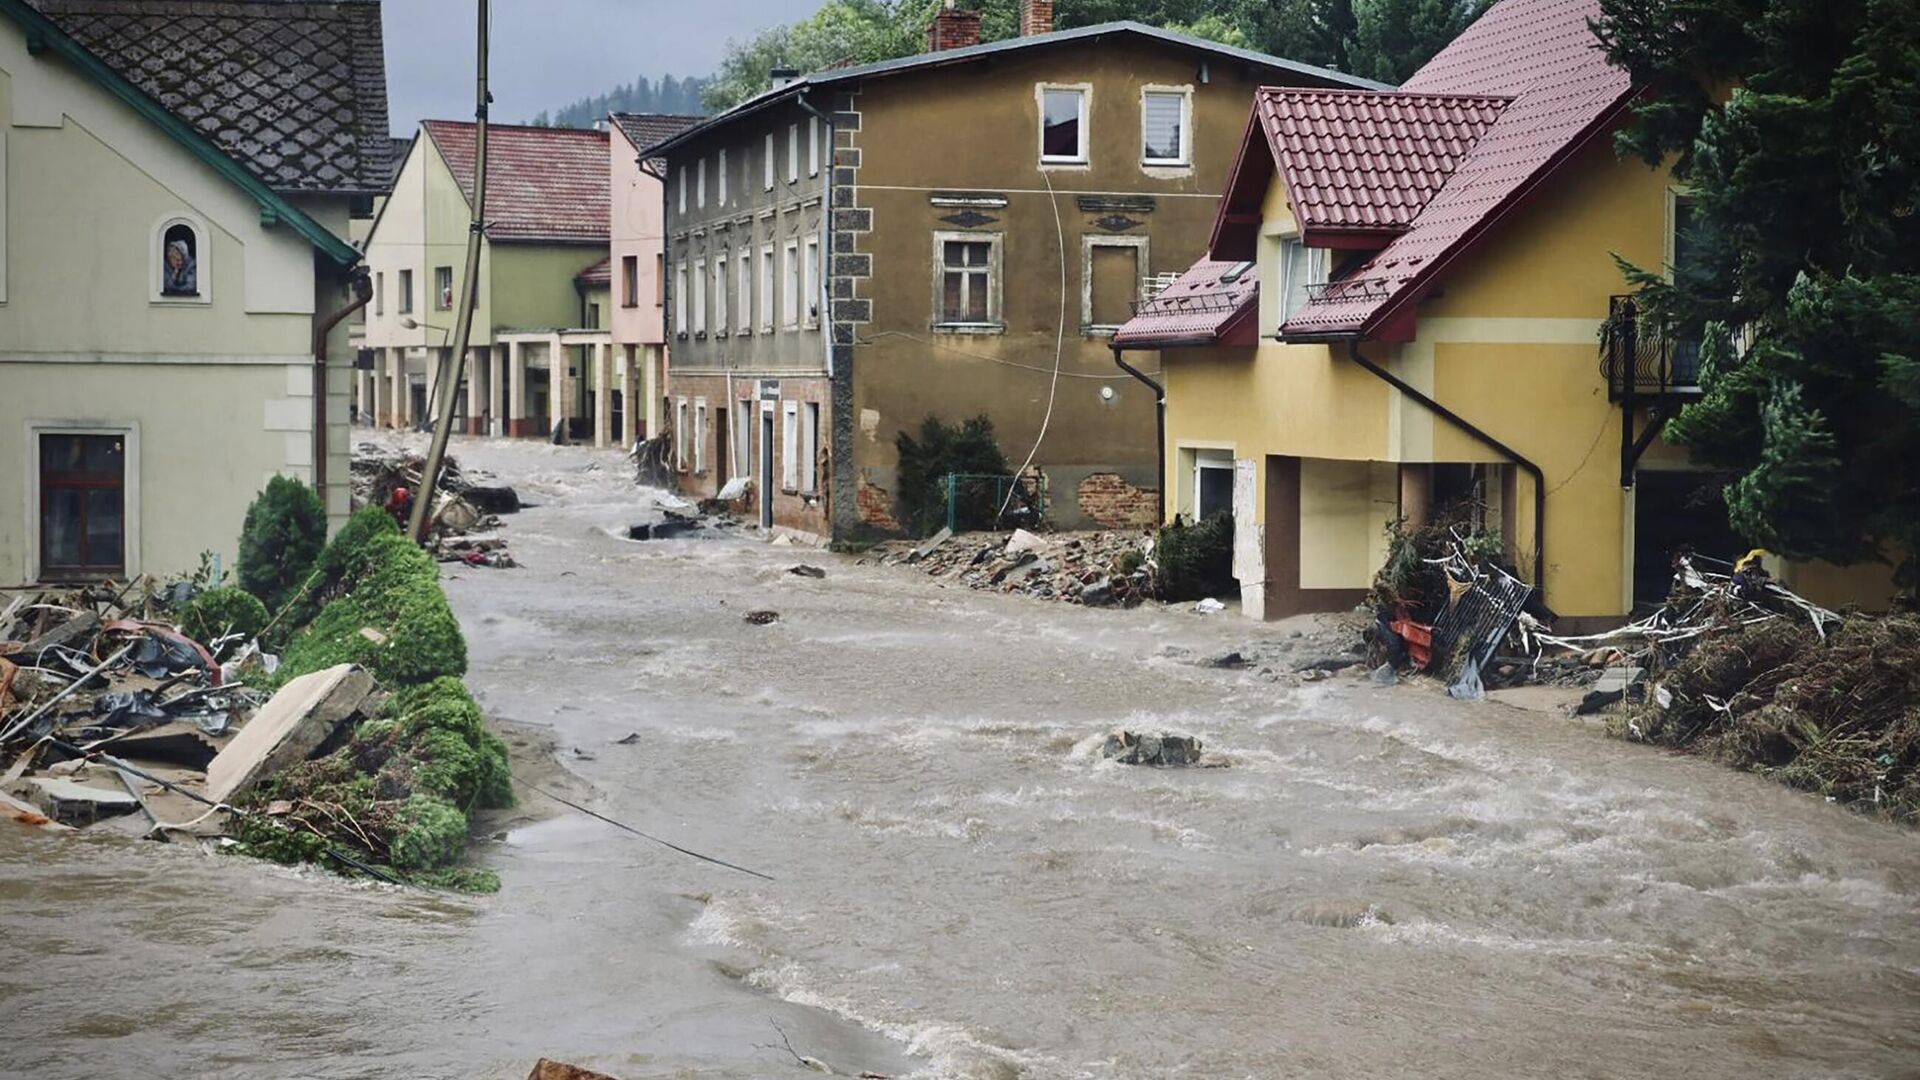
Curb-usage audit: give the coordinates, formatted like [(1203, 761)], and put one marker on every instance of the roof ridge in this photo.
[(545, 128)]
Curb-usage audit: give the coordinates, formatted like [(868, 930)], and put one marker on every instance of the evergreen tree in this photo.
[(1796, 125)]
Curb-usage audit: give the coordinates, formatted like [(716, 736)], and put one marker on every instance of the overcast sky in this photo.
[(550, 53)]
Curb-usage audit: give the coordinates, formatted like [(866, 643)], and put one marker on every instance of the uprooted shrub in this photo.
[(380, 606), (1192, 562), (1839, 717), (968, 449), (217, 612), (284, 530)]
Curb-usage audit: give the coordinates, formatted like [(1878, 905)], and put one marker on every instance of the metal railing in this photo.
[(1188, 304), (1641, 356)]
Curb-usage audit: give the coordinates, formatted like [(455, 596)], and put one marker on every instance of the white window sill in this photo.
[(1065, 164), (1099, 331), (970, 328)]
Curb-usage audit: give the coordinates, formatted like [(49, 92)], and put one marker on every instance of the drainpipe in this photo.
[(1539, 478), (362, 286), (1160, 434)]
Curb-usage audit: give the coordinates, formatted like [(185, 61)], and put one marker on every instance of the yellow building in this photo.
[(1401, 309)]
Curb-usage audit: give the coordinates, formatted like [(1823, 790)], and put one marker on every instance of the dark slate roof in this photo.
[(544, 185), (296, 91), (648, 130), (1306, 73)]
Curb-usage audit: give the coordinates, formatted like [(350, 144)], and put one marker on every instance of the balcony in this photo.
[(1642, 358)]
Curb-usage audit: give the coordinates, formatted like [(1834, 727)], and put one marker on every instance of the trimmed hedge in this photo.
[(217, 612)]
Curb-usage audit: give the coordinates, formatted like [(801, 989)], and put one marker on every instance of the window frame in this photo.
[(1142, 263), (793, 152), (810, 282), (1083, 158), (680, 434), (1185, 94), (742, 448), (404, 286), (1319, 272), (443, 293), (790, 447), (680, 299), (810, 445), (768, 272), (379, 293), (996, 316), (630, 281), (129, 433), (698, 281), (813, 146), (767, 162), (699, 436), (722, 311), (743, 324), (682, 185), (700, 184), (202, 260), (720, 180), (790, 284)]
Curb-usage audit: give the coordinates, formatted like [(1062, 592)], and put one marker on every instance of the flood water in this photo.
[(1382, 882)]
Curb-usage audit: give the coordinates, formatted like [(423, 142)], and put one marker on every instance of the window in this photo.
[(766, 160), (790, 287), (1212, 484), (629, 281), (681, 184), (680, 435), (810, 301), (593, 316), (766, 289), (699, 296), (700, 435), (720, 309), (721, 197), (406, 291), (443, 287), (83, 519), (1682, 254), (1165, 116), (967, 289), (700, 185), (659, 279), (380, 293), (790, 445), (813, 146), (1300, 267), (680, 299), (810, 440), (1111, 270), (793, 153), (180, 261), (1063, 125), (743, 439), (745, 298)]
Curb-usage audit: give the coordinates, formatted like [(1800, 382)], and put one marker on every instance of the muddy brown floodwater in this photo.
[(1383, 883)]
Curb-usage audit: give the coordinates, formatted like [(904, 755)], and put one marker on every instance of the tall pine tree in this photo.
[(1796, 124)]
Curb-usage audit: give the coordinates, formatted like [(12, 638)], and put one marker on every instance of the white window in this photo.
[(680, 299), (1111, 271), (766, 289), (766, 160), (380, 293), (720, 196), (699, 296), (810, 441), (743, 438), (790, 445), (811, 284), (700, 185), (680, 435), (721, 311), (700, 435), (966, 281), (793, 153), (1212, 483), (406, 291), (790, 286), (1166, 116), (1299, 268), (1063, 124), (813, 146), (745, 322), (180, 259), (681, 183)]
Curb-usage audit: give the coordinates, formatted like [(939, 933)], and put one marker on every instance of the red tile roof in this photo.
[(1211, 304), (1361, 160), (543, 184), (600, 273), (1542, 55)]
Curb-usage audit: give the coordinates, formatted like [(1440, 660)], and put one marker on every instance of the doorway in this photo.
[(1673, 508), (766, 465)]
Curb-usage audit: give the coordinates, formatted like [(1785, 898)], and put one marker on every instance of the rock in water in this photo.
[(1129, 748), (762, 618)]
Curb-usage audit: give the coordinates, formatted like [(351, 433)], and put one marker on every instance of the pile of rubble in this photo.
[(112, 718), (466, 515), (1099, 569)]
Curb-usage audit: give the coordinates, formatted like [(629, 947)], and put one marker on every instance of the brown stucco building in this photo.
[(949, 234)]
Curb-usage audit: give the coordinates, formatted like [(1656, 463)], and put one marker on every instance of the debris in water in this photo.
[(1342, 914), (546, 1069), (628, 739), (1129, 748), (762, 617), (803, 570), (1209, 606)]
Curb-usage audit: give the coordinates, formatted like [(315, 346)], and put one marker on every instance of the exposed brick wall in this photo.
[(1116, 504), (953, 28), (1036, 17), (876, 507)]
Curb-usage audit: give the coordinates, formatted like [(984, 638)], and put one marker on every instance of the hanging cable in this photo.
[(1059, 347)]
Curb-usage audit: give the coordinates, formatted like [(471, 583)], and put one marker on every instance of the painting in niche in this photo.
[(179, 262)]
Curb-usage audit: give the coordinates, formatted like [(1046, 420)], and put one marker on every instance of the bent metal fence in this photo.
[(1483, 602)]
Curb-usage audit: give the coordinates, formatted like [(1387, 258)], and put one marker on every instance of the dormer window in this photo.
[(180, 261), (1301, 268)]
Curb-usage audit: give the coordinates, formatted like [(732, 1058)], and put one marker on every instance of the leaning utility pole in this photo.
[(453, 366)]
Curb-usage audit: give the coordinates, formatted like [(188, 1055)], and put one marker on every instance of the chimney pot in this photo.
[(1036, 17), (781, 76), (953, 28)]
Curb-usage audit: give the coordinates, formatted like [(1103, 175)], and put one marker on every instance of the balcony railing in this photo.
[(1639, 355)]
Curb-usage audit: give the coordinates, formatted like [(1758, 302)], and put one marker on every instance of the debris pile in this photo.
[(466, 514), (1129, 748), (1098, 569)]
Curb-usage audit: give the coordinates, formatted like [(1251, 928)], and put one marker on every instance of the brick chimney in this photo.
[(1036, 17), (952, 28)]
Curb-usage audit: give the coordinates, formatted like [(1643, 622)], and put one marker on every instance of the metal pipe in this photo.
[(362, 287), (455, 362), (1160, 433), (1539, 477)]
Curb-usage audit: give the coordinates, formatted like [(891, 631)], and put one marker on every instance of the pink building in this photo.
[(637, 254)]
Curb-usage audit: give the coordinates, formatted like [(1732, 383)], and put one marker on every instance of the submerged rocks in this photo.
[(1130, 748)]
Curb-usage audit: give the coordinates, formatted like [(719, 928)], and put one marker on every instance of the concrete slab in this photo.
[(287, 729), (71, 802)]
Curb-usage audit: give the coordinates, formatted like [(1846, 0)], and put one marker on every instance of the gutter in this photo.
[(362, 286), (1532, 470), (1160, 435)]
